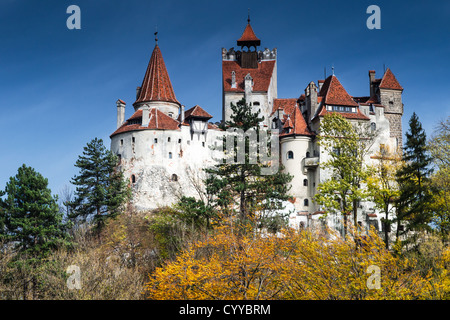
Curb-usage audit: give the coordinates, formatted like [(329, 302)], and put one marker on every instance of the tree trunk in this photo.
[(386, 232)]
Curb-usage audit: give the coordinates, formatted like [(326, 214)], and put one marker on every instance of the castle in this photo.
[(164, 146)]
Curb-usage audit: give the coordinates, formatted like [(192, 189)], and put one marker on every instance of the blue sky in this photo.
[(58, 87)]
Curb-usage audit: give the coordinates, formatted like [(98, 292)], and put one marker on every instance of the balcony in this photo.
[(311, 162)]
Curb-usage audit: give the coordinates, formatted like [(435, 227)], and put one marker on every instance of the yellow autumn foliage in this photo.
[(293, 265)]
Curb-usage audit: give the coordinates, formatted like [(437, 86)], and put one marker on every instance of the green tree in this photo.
[(414, 180), (383, 187), (195, 212), (346, 145), (32, 222), (439, 147), (241, 188), (101, 190)]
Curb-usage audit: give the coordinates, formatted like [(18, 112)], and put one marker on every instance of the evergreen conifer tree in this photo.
[(100, 187), (240, 188), (30, 214), (32, 224), (414, 179)]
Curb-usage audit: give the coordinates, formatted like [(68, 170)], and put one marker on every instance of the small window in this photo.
[(179, 140), (170, 155), (168, 139), (133, 178), (203, 144), (305, 182), (306, 202), (121, 142), (373, 126), (174, 177), (155, 140), (290, 155), (133, 139), (171, 114), (256, 103), (308, 154)]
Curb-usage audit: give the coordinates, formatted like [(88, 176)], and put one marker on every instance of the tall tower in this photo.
[(249, 73), (388, 92)]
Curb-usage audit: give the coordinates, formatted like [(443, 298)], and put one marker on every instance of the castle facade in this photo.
[(164, 146)]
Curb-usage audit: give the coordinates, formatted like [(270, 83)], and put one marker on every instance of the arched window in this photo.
[(174, 177), (290, 155), (170, 155), (308, 154), (133, 178), (306, 202), (305, 182), (168, 139)]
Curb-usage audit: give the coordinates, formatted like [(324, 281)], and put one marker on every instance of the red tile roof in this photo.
[(287, 105), (389, 81), (197, 111), (156, 85), (297, 123), (158, 121), (335, 94), (248, 37), (261, 76)]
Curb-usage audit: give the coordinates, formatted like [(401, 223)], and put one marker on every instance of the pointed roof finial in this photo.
[(332, 69), (156, 34), (248, 19)]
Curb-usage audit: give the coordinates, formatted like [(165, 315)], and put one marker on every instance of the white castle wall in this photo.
[(154, 162)]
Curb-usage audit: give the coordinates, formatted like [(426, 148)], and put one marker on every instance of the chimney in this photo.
[(182, 114), (120, 112), (371, 81), (145, 115), (311, 98)]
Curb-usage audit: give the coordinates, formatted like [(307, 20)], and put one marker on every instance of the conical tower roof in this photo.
[(248, 37), (156, 85)]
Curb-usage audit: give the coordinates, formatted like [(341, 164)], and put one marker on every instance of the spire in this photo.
[(156, 85), (248, 37)]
